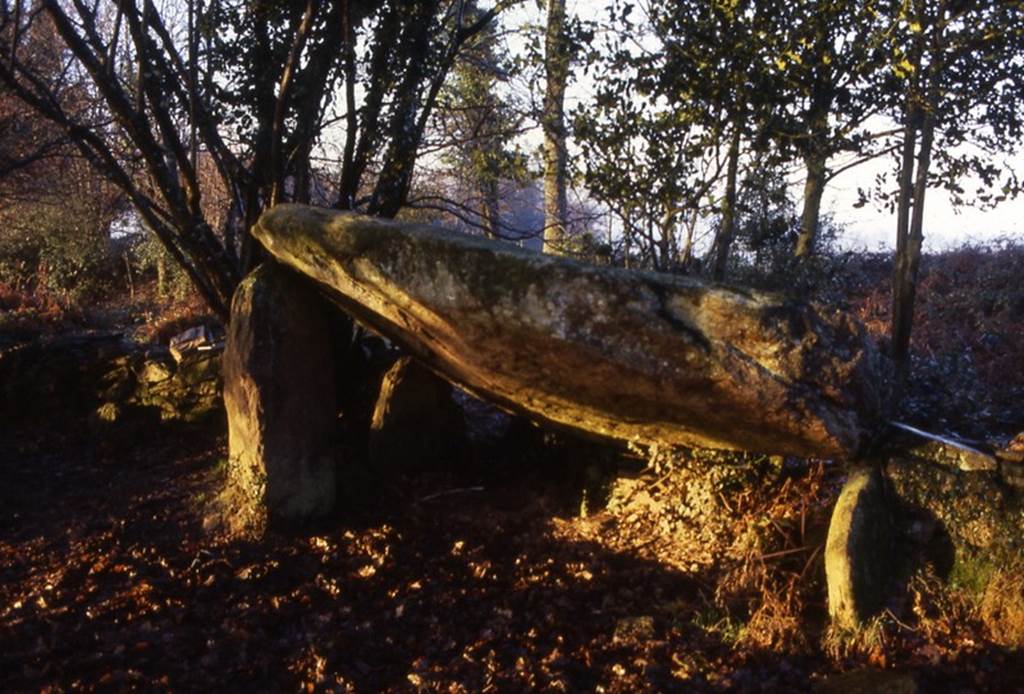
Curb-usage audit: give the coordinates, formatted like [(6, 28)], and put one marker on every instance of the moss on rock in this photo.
[(634, 356)]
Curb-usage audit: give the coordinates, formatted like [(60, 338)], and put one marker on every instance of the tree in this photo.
[(766, 218), (556, 67), (716, 57), (27, 143), (430, 37), (646, 163), (827, 56), (643, 158), (958, 89), (253, 101), (683, 96), (474, 127), (55, 214)]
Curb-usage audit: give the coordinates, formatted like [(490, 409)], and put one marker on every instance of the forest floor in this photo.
[(487, 583), (500, 575)]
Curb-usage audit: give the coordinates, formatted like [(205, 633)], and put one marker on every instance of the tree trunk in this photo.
[(491, 211), (666, 242), (908, 253), (556, 63), (627, 248), (392, 186), (691, 229), (725, 233), (814, 187), (920, 120), (904, 201)]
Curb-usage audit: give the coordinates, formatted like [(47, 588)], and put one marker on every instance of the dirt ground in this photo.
[(470, 582)]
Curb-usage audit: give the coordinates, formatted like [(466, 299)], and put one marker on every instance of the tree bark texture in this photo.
[(909, 252), (814, 187), (728, 228), (556, 62)]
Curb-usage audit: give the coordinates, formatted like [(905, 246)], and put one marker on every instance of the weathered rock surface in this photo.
[(967, 524), (187, 391), (859, 552), (977, 510), (1011, 461), (190, 341), (78, 375), (416, 423), (623, 354), (973, 523), (280, 399)]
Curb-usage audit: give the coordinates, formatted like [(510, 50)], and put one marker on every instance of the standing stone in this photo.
[(416, 422), (858, 553), (279, 392)]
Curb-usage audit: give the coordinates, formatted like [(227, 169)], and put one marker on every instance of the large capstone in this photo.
[(636, 356), (279, 392)]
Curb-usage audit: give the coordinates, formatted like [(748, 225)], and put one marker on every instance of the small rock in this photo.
[(1011, 461), (155, 371), (634, 629), (191, 340), (108, 412), (1014, 450)]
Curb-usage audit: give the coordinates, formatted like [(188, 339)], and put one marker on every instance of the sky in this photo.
[(944, 226), (867, 227)]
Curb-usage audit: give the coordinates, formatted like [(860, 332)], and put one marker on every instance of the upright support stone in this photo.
[(858, 552), (279, 392), (416, 422)]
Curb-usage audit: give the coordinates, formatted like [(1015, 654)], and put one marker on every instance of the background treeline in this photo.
[(142, 139)]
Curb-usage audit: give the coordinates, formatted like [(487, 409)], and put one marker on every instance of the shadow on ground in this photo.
[(108, 581)]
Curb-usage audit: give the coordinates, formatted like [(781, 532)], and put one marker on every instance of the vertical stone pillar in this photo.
[(279, 393), (859, 560), (416, 422)]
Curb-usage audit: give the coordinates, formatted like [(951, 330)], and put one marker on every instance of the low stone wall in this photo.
[(106, 380), (915, 511)]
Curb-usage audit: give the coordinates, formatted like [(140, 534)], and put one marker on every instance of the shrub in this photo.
[(150, 261), (62, 249)]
